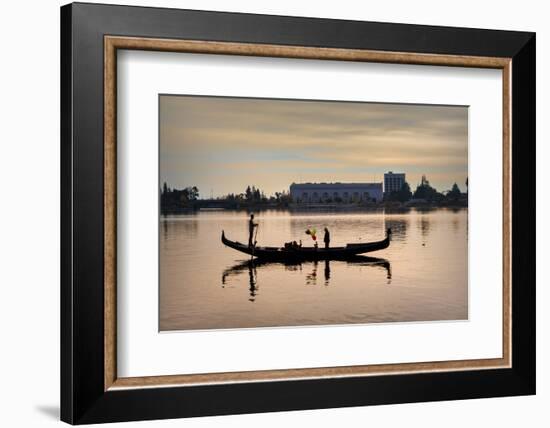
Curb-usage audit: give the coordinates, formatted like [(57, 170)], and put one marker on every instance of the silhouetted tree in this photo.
[(192, 193), (455, 193), (173, 199), (427, 192), (402, 195)]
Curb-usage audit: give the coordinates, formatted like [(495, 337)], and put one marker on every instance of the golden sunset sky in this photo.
[(222, 144)]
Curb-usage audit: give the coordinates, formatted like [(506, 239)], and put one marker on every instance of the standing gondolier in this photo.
[(326, 239), (251, 227)]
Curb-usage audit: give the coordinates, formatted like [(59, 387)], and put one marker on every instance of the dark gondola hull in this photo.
[(308, 253)]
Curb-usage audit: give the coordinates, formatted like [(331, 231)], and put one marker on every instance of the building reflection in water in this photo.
[(253, 266), (398, 228)]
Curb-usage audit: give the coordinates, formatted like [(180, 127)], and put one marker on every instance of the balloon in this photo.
[(312, 231)]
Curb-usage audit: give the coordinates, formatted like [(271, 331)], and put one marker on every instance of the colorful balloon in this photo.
[(312, 232)]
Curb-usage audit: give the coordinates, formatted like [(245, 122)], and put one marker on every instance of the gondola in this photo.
[(291, 253)]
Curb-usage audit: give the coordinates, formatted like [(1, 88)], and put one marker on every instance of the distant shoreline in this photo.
[(322, 208)]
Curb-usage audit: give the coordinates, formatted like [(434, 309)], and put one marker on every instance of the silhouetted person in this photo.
[(252, 280), (326, 239), (251, 226), (327, 272)]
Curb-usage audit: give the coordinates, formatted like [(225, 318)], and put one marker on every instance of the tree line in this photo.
[(177, 199), (253, 195), (424, 191), (173, 200)]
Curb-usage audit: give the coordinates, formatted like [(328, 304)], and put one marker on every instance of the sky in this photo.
[(223, 144)]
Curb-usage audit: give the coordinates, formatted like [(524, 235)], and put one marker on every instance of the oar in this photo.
[(255, 240)]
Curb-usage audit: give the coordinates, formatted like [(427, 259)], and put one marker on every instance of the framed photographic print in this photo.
[(265, 213)]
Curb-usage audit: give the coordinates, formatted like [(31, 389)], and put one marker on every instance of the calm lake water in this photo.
[(422, 276)]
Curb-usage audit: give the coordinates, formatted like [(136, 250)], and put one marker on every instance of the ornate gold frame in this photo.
[(113, 43)]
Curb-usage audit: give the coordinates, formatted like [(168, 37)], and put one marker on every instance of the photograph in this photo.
[(290, 212)]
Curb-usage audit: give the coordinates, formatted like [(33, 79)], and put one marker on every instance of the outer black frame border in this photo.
[(83, 399)]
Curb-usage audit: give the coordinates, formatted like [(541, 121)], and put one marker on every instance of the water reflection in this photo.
[(456, 224), (327, 272), (311, 278), (177, 227), (251, 268), (252, 275), (428, 282), (165, 229), (398, 227), (424, 227)]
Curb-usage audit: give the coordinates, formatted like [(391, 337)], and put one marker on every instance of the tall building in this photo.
[(315, 193), (393, 181)]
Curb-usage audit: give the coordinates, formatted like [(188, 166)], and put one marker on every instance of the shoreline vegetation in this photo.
[(187, 200)]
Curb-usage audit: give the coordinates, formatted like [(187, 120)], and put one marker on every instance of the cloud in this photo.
[(277, 141)]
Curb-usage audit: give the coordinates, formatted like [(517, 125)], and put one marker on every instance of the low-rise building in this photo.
[(318, 193)]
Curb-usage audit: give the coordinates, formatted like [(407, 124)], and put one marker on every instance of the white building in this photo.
[(393, 181), (311, 193)]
